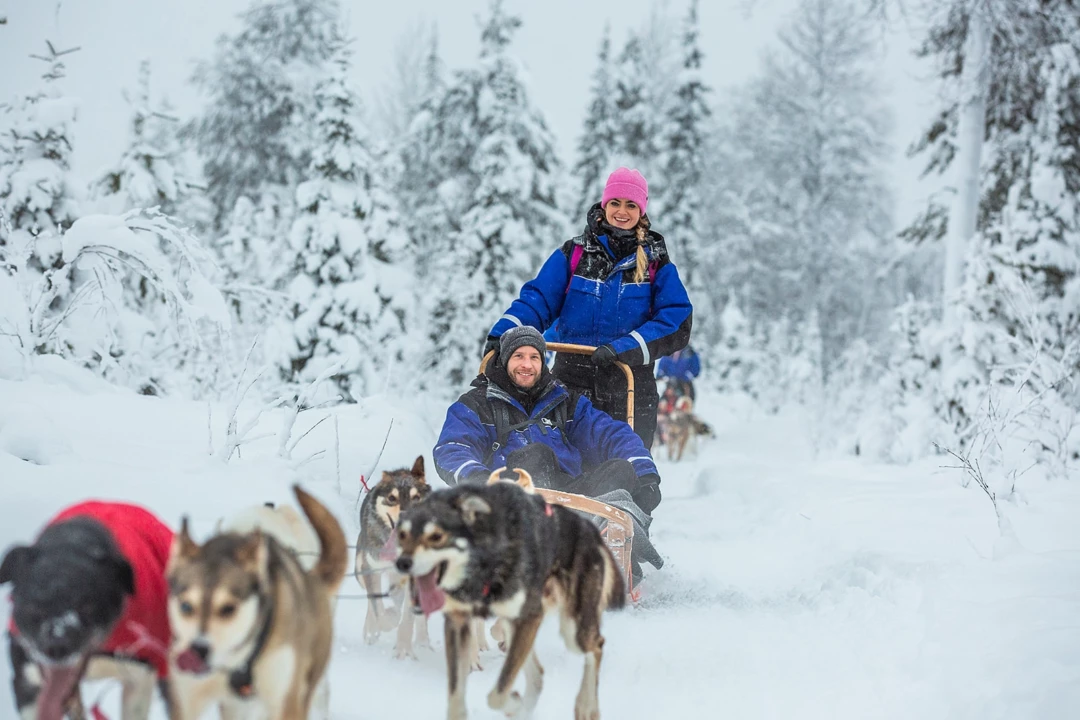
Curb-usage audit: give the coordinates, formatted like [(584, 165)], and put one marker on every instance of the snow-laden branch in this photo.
[(100, 253), (123, 239)]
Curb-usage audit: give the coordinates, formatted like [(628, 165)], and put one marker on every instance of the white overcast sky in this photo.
[(557, 43)]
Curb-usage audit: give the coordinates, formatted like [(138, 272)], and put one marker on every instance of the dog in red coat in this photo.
[(89, 600)]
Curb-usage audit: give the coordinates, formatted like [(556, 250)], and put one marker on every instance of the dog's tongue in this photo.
[(58, 684), (430, 594), (189, 661), (389, 550)]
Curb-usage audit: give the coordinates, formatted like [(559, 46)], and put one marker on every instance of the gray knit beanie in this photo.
[(517, 337)]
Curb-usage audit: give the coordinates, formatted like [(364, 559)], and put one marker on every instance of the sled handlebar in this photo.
[(572, 349)]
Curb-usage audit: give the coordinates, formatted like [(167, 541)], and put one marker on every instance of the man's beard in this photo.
[(535, 377)]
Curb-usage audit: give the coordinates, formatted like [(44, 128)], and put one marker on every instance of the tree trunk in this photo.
[(971, 128)]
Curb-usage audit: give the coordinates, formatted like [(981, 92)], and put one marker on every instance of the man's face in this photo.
[(524, 366)]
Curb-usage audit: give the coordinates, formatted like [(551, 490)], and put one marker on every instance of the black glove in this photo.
[(604, 356), (491, 344), (647, 496), (477, 477)]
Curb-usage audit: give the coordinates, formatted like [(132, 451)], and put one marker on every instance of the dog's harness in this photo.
[(242, 680)]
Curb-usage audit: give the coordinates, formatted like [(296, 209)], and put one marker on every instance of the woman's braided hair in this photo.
[(642, 260)]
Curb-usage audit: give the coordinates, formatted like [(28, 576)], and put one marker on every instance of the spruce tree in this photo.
[(1017, 305), (350, 298), (685, 159), (501, 157), (256, 129), (150, 173), (600, 139), (37, 198), (637, 111), (807, 187)]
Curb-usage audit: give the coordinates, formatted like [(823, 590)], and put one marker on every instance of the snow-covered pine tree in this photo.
[(254, 261), (352, 291), (149, 174), (731, 362), (509, 221), (37, 197), (645, 75), (418, 158), (638, 111), (151, 171), (256, 128), (600, 140), (809, 138), (1017, 309), (685, 160)]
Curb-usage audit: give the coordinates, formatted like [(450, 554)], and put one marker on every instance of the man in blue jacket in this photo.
[(519, 415)]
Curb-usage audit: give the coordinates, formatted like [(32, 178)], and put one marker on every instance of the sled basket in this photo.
[(618, 531)]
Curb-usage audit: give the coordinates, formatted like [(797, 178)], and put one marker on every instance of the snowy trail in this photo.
[(794, 587)]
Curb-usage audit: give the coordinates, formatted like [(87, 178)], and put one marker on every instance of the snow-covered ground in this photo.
[(794, 587)]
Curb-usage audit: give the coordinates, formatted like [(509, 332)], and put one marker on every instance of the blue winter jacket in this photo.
[(589, 436), (600, 304), (684, 365)]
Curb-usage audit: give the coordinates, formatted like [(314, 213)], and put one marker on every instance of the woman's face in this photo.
[(622, 213)]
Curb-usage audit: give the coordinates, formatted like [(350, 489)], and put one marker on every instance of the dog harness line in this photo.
[(241, 680)]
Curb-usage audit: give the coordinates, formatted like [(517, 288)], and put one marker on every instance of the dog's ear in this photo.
[(471, 507), (252, 554), (418, 467), (386, 478), (15, 561), (183, 546)]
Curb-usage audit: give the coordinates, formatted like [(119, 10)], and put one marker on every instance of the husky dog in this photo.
[(89, 602), (376, 550), (683, 428), (497, 551), (293, 532), (249, 623)]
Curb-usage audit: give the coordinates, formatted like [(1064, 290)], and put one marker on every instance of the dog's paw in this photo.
[(475, 666), (586, 710), (509, 703), (371, 637), (400, 653)]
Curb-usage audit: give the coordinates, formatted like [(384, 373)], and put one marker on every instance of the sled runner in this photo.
[(617, 528)]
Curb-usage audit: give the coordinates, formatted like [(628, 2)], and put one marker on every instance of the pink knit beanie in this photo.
[(627, 184)]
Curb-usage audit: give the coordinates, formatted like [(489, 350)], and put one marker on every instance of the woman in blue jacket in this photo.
[(613, 287)]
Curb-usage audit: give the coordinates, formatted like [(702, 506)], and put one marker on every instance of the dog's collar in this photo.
[(242, 680)]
